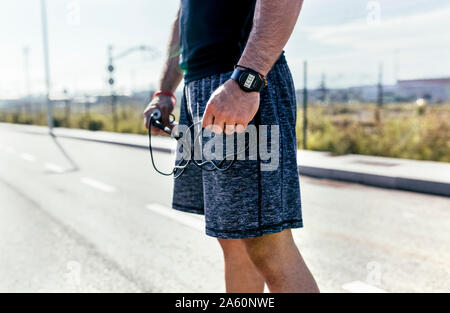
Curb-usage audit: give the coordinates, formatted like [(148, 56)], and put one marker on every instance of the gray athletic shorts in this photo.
[(245, 201)]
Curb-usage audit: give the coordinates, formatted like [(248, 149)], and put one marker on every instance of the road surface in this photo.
[(103, 224)]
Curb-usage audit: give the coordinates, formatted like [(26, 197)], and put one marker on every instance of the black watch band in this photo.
[(248, 79)]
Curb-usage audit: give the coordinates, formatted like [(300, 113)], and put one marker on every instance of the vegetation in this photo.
[(400, 130), (99, 118)]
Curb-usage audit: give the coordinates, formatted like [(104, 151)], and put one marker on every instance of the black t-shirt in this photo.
[(213, 35)]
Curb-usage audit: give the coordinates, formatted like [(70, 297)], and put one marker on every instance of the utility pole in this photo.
[(379, 94), (323, 89), (305, 104), (66, 108), (87, 107), (47, 65), (111, 84), (380, 86), (26, 60), (111, 58)]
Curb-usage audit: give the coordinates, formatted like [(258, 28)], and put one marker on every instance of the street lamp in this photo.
[(47, 65)]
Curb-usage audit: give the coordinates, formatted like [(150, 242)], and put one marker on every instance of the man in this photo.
[(250, 211)]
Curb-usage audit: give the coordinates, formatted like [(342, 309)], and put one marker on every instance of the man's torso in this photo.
[(213, 35)]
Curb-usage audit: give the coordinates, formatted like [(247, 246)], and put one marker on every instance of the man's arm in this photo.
[(170, 78), (273, 24)]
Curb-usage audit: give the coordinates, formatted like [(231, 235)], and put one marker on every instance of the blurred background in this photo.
[(373, 92)]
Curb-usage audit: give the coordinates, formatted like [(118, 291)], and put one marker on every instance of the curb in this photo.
[(388, 182), (163, 145)]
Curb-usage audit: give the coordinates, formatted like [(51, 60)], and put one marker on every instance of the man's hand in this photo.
[(230, 109), (163, 103)]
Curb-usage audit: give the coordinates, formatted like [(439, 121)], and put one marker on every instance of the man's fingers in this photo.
[(147, 114), (230, 129), (155, 131), (216, 129), (219, 125), (208, 119), (240, 128)]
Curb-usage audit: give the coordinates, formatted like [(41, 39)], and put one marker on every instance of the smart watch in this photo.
[(249, 80)]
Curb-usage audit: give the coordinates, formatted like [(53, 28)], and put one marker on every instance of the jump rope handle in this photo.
[(156, 122)]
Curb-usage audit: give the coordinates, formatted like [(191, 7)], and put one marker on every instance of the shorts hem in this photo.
[(252, 233), (188, 209)]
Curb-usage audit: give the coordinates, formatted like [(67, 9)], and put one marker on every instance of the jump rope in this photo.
[(180, 166)]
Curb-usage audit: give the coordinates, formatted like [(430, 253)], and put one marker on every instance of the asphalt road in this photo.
[(107, 226)]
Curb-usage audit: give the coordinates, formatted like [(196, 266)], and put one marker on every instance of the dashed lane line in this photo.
[(180, 217), (97, 184), (27, 157), (53, 168)]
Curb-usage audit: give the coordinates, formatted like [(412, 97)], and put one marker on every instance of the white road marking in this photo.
[(361, 287), (54, 168), (97, 184), (180, 217), (28, 157)]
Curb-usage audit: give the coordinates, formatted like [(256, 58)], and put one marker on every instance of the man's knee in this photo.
[(267, 251), (232, 247), (261, 255)]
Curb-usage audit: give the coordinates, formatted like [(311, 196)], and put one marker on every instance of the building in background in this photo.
[(435, 90)]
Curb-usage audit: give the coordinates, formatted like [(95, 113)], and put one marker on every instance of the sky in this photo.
[(343, 40)]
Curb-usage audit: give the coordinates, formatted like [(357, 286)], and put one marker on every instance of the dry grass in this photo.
[(401, 131)]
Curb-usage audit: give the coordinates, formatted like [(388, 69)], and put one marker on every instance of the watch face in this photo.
[(249, 82)]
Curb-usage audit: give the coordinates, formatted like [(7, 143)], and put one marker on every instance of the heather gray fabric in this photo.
[(245, 201)]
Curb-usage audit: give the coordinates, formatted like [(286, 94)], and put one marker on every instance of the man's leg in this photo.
[(277, 258), (241, 274)]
